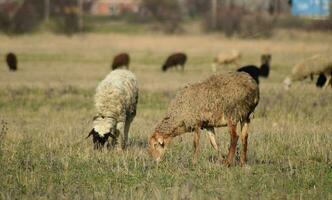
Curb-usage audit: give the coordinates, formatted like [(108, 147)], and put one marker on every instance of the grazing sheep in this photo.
[(221, 100), (115, 101), (174, 60), (121, 60), (11, 61), (226, 59), (314, 65), (255, 72)]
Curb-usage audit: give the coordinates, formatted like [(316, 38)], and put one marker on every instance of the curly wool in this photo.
[(116, 98), (232, 96)]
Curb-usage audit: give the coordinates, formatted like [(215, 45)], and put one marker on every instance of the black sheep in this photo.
[(252, 70), (265, 66), (256, 72), (175, 60), (121, 60), (11, 61)]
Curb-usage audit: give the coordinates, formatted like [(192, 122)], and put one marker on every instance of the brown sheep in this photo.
[(121, 60), (221, 100), (175, 60), (11, 61)]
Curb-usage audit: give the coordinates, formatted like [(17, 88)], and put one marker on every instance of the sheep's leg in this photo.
[(311, 77), (212, 137), (328, 80), (244, 142), (126, 131), (196, 141), (233, 143), (118, 140)]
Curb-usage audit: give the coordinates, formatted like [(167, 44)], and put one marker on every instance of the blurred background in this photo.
[(244, 18)]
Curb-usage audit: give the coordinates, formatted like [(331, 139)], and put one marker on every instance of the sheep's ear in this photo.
[(91, 133)]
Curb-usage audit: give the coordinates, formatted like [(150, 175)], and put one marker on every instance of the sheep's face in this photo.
[(98, 141), (287, 83), (102, 125), (266, 58), (164, 68), (157, 145), (102, 130)]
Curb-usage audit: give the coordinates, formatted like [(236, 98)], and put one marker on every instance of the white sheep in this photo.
[(226, 59), (115, 101), (315, 65)]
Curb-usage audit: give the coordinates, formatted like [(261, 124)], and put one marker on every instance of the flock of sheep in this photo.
[(223, 99)]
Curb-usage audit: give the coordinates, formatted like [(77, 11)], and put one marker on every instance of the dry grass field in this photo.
[(46, 111)]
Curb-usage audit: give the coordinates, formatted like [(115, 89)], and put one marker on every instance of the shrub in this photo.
[(166, 12), (236, 20)]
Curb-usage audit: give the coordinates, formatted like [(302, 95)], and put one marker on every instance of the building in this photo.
[(114, 7), (319, 9)]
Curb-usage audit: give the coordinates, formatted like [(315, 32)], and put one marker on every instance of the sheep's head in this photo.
[(101, 131), (287, 83), (164, 67), (266, 58), (157, 145)]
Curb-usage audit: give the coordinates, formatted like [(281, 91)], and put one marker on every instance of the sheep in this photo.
[(121, 60), (315, 65), (221, 100), (174, 60), (226, 59), (255, 72), (11, 61), (115, 101)]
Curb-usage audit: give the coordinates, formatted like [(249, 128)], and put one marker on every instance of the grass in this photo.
[(46, 111)]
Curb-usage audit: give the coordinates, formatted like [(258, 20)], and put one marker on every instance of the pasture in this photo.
[(46, 111)]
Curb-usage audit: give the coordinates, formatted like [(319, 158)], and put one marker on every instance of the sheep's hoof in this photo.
[(227, 163), (243, 163)]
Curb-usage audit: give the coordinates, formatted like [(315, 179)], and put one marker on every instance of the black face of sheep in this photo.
[(175, 60), (98, 141), (321, 80), (265, 66), (11, 61), (266, 58), (121, 60)]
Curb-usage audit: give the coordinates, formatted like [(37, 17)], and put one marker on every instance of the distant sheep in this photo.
[(11, 61), (121, 60), (175, 60), (115, 101), (315, 65), (256, 72), (221, 100), (226, 59)]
